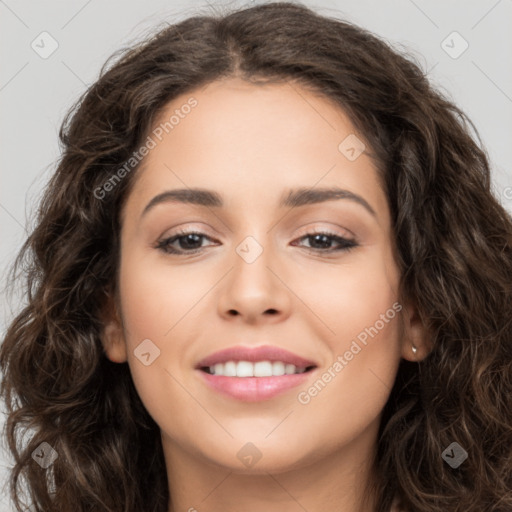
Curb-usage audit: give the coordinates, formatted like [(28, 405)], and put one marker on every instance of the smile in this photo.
[(251, 374), (256, 369)]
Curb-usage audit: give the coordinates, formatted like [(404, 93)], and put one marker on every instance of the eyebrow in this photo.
[(293, 199)]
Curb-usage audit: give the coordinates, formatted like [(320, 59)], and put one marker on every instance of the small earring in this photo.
[(414, 350)]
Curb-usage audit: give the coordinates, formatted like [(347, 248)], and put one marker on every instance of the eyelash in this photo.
[(164, 244)]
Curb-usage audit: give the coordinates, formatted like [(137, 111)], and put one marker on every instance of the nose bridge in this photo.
[(253, 287), (251, 274)]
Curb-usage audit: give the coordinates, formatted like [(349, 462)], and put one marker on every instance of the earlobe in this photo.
[(112, 335), (415, 343), (113, 343)]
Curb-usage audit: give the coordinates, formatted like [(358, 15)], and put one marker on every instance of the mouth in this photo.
[(254, 374)]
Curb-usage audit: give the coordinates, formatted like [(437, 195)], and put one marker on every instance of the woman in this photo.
[(268, 274)]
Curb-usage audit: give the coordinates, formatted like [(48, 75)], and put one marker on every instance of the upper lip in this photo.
[(254, 354)]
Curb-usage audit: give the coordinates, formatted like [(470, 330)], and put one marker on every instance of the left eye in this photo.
[(326, 238), (189, 241)]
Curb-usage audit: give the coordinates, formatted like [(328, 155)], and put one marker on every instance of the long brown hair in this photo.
[(454, 251)]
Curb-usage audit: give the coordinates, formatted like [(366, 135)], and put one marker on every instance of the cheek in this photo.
[(363, 315), (157, 299), (158, 305), (147, 316), (354, 297), (352, 389)]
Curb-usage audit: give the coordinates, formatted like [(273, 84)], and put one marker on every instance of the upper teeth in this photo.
[(259, 369)]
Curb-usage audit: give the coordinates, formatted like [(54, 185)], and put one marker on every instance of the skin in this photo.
[(251, 143)]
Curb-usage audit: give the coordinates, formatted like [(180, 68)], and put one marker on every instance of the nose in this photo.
[(255, 291)]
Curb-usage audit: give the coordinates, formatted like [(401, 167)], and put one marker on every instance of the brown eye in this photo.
[(188, 242), (322, 241)]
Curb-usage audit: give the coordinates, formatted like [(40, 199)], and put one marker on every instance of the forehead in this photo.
[(255, 141)]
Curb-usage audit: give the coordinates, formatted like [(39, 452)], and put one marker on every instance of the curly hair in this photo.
[(453, 248)]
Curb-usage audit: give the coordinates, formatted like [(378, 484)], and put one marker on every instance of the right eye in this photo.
[(185, 239)]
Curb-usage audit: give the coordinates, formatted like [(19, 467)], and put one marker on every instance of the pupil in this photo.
[(326, 239), (188, 238)]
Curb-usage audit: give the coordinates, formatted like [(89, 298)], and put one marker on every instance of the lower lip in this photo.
[(254, 389)]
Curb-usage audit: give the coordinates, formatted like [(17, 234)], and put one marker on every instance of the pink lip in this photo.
[(252, 389), (261, 353)]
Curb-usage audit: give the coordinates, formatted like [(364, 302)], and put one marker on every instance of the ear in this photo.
[(112, 334), (414, 334)]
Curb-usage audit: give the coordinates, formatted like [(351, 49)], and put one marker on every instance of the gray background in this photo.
[(35, 92)]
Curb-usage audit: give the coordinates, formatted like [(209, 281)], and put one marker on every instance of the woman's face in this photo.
[(282, 276)]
